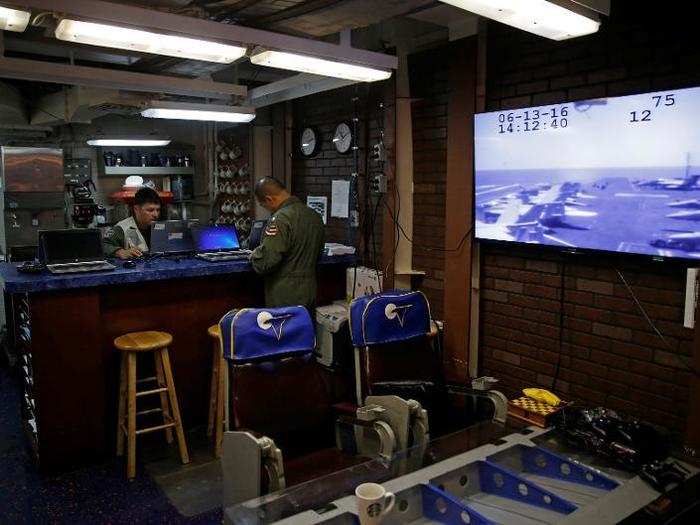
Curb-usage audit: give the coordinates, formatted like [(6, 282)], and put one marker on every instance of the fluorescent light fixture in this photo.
[(13, 19), (206, 112), (540, 17), (317, 66), (146, 42), (144, 143)]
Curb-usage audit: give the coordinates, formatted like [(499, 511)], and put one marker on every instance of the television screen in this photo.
[(617, 174)]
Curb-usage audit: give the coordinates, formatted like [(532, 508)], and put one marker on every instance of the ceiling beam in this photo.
[(38, 71), (293, 87), (294, 11), (133, 16)]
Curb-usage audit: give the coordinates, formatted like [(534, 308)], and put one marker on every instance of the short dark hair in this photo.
[(268, 186), (146, 195)]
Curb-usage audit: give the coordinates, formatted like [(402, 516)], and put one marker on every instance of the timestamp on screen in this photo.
[(530, 120)]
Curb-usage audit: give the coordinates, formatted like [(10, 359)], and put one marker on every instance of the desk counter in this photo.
[(64, 327)]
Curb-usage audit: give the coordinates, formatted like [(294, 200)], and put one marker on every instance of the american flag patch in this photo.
[(271, 230)]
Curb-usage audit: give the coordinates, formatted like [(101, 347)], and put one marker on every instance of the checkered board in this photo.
[(531, 410)]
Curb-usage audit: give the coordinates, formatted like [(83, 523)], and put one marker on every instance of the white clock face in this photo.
[(308, 141), (342, 138)]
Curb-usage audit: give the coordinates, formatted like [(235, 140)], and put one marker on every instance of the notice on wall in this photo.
[(319, 204), (340, 198)]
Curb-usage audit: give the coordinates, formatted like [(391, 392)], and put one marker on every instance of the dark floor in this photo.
[(99, 494)]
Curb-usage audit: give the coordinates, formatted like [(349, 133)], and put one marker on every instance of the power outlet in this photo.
[(378, 184)]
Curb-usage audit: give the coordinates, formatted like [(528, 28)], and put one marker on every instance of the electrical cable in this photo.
[(648, 319), (555, 378)]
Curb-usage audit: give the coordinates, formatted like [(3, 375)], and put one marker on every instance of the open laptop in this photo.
[(218, 243), (171, 237), (72, 251)]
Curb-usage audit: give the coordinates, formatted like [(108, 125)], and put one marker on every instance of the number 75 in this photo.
[(669, 100)]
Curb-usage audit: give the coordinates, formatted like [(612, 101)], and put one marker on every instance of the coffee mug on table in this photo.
[(373, 503)]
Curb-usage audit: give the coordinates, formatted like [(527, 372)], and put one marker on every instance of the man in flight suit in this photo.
[(289, 248), (132, 236)]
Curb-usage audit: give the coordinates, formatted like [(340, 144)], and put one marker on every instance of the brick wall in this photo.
[(530, 311), (313, 176), (429, 72)]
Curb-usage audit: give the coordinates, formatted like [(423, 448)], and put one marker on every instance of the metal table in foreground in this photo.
[(482, 475)]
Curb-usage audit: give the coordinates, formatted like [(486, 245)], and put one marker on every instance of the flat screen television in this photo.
[(617, 174)]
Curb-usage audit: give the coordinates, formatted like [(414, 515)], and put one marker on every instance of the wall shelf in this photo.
[(122, 171)]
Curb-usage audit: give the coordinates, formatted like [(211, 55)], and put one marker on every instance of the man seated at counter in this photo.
[(132, 236), (290, 247)]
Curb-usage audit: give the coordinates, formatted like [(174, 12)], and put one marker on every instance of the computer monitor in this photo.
[(215, 238), (64, 246)]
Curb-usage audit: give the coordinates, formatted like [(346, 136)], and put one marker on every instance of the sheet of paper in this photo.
[(320, 204), (340, 198)]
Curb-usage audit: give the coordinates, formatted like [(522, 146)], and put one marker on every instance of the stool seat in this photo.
[(214, 331), (143, 341)]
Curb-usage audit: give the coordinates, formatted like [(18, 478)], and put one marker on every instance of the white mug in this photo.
[(373, 503)]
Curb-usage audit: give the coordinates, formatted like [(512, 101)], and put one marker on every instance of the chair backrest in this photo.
[(394, 351), (275, 385)]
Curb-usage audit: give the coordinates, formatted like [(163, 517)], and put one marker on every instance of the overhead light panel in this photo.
[(204, 112), (317, 66), (136, 142), (541, 17), (14, 19), (146, 42)]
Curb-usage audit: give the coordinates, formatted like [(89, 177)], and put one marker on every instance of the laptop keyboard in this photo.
[(92, 266), (224, 256)]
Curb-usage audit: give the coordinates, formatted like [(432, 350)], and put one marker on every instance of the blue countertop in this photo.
[(154, 270)]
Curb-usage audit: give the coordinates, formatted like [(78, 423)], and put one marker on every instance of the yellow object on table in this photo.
[(543, 396)]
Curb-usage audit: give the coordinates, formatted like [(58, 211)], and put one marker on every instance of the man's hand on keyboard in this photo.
[(128, 253)]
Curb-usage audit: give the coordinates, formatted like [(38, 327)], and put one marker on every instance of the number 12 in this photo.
[(646, 116)]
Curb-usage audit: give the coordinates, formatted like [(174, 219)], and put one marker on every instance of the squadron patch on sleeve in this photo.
[(271, 230)]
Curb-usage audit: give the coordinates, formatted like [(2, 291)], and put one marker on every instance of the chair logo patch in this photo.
[(391, 311), (267, 321)]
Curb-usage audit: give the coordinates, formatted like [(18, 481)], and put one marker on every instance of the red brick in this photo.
[(508, 286), (670, 359), (541, 291), (542, 266), (628, 378), (539, 366), (507, 357), (534, 303), (608, 387), (588, 367), (522, 349), (610, 359), (598, 287), (590, 341), (631, 350), (613, 332), (652, 340), (588, 394), (493, 295), (573, 376), (669, 390), (652, 400), (584, 298)]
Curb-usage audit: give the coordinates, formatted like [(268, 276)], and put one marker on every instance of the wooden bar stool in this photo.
[(130, 345), (217, 395)]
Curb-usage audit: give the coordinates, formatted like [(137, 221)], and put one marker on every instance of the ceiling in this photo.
[(374, 24)]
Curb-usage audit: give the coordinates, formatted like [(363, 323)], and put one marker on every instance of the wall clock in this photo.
[(343, 139), (309, 142)]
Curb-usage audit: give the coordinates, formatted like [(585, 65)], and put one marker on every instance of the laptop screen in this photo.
[(63, 246), (172, 236), (215, 238)]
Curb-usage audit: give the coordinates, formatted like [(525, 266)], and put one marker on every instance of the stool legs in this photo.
[(182, 445), (214, 390), (131, 415), (122, 406), (163, 396), (221, 392)]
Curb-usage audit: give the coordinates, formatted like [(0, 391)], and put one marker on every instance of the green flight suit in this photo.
[(288, 253)]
